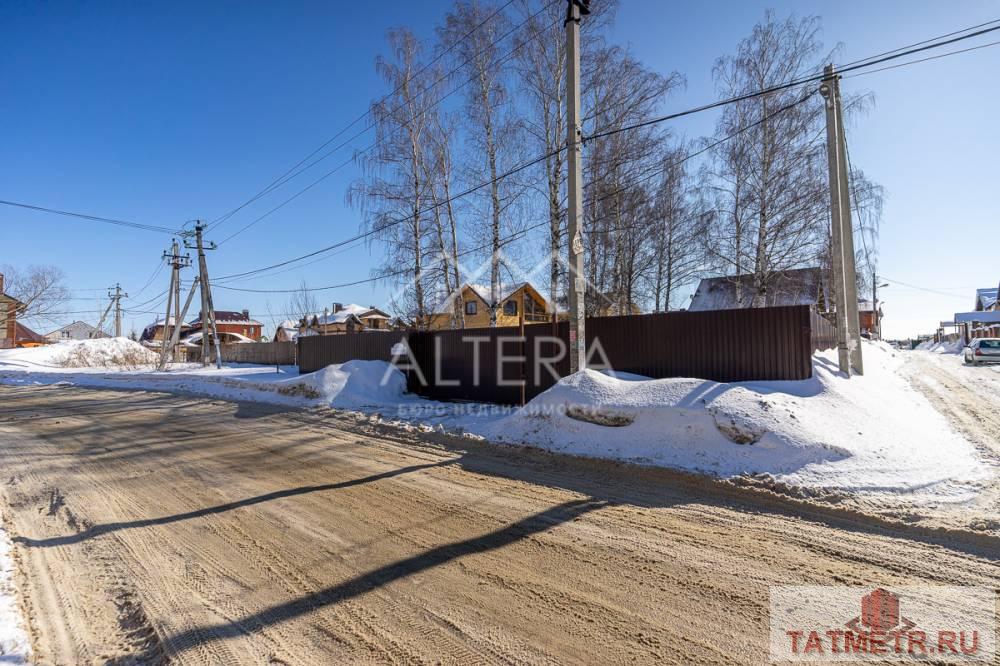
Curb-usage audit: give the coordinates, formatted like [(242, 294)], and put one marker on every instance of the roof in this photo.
[(229, 317), (22, 332), (798, 286), (444, 304), (345, 313), (979, 315), (75, 324), (986, 298)]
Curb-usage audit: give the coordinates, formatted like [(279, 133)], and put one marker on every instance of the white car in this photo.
[(983, 350)]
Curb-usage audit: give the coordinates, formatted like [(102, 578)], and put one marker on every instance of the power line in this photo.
[(92, 218), (289, 175), (918, 288), (785, 86), (919, 60)]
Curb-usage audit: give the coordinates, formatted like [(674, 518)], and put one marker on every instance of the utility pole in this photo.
[(117, 298), (574, 160), (845, 279), (207, 307), (176, 262)]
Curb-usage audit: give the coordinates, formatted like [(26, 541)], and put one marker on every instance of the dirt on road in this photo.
[(153, 528)]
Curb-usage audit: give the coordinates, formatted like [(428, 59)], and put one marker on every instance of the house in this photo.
[(152, 335), (9, 307), (871, 320), (986, 300), (78, 330), (513, 300), (25, 337), (798, 286), (237, 323), (984, 320), (344, 318)]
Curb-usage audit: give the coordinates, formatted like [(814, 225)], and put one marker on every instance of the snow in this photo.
[(14, 645), (943, 347), (97, 353), (865, 435)]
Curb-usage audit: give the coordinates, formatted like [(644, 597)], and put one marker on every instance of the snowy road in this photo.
[(970, 398), (151, 527)]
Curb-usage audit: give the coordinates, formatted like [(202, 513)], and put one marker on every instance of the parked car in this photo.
[(983, 350)]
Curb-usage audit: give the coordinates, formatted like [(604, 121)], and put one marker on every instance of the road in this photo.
[(153, 528)]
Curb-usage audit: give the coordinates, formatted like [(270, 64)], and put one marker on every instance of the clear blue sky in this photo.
[(163, 112)]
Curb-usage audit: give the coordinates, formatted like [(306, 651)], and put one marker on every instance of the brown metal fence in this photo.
[(263, 353), (492, 364), (318, 351), (822, 333)]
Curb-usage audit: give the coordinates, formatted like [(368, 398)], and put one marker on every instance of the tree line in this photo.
[(466, 179)]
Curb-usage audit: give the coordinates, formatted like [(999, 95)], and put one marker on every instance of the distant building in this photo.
[(227, 321), (343, 318), (799, 286), (25, 337), (513, 299), (152, 335), (78, 330), (9, 307)]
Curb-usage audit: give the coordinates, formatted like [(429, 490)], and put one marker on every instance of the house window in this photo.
[(65, 334), (510, 307), (470, 307)]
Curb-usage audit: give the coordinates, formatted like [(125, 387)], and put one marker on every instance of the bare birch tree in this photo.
[(395, 193), (41, 289)]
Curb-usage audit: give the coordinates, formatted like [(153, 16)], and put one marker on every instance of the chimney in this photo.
[(246, 313), (337, 307)]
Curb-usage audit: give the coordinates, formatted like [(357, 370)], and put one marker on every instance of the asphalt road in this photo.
[(153, 528)]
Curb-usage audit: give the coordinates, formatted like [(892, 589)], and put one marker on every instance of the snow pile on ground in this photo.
[(14, 646), (943, 347), (355, 385), (867, 434), (99, 353)]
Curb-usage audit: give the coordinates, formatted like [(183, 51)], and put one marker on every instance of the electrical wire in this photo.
[(289, 175), (92, 218)]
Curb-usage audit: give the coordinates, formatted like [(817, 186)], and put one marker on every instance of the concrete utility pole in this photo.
[(207, 307), (574, 145), (117, 297), (845, 280), (177, 262)]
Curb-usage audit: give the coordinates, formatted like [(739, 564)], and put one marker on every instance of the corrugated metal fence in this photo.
[(492, 364), (485, 365), (319, 351)]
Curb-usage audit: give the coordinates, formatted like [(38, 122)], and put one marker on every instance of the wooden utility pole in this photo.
[(207, 306), (574, 144), (845, 281)]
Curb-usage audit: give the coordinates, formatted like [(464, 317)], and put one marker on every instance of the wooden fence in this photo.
[(262, 353), (319, 351), (822, 332)]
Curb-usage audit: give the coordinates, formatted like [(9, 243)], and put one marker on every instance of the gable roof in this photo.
[(444, 304), (986, 298), (76, 324), (799, 286), (22, 332)]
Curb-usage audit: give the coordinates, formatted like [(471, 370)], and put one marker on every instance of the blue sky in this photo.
[(163, 112)]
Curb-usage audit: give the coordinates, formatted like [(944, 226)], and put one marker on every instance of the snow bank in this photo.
[(955, 347), (99, 353), (14, 645), (356, 385), (867, 434)]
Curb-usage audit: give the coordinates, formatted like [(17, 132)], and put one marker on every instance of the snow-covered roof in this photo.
[(986, 298), (229, 317), (800, 286), (345, 313), (194, 339)]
